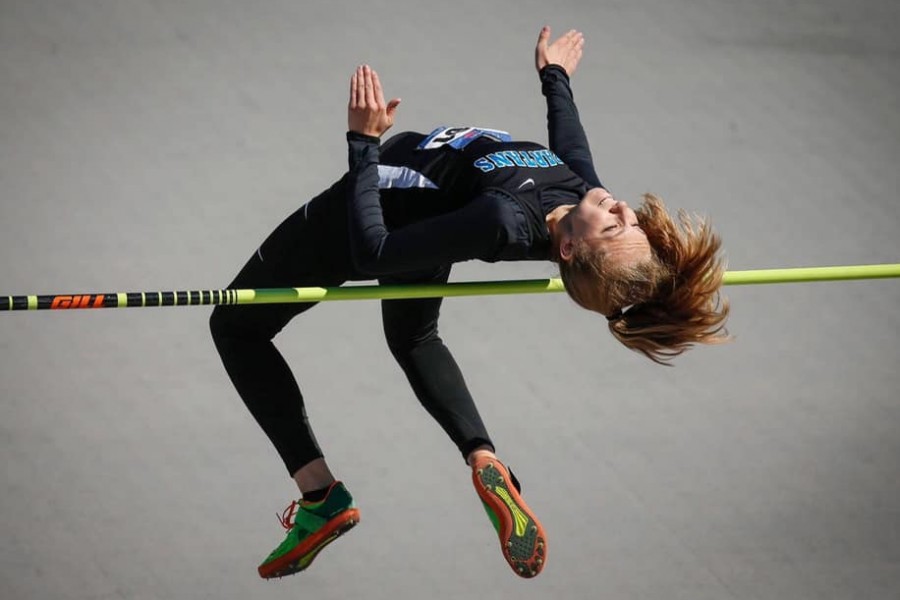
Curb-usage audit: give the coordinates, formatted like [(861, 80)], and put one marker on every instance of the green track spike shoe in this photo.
[(311, 526), (522, 538)]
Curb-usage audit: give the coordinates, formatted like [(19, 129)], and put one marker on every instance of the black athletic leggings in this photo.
[(290, 257)]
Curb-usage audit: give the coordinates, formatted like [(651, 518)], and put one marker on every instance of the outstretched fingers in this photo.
[(574, 39), (368, 88), (365, 84), (358, 84), (571, 48)]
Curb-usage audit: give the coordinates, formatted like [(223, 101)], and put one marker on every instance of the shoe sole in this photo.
[(302, 556), (522, 537)]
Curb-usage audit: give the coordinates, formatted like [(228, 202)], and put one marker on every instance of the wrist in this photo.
[(358, 136), (553, 68)]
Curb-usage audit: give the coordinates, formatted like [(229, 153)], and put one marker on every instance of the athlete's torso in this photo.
[(425, 176), (454, 165)]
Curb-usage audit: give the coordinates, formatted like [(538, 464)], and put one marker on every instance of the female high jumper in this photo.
[(406, 210)]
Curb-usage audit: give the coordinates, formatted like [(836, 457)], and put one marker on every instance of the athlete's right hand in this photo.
[(565, 52), (367, 112)]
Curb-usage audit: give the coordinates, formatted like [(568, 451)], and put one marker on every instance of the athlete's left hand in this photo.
[(565, 52), (367, 112)]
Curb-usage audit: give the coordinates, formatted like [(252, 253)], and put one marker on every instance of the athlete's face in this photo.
[(608, 225)]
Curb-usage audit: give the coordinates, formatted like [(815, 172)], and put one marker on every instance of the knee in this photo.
[(403, 348), (399, 350), (217, 324), (223, 325), (399, 346), (244, 324)]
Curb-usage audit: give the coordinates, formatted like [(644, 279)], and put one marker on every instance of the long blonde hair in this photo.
[(672, 301)]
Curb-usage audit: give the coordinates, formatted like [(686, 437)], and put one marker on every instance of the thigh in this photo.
[(285, 259)]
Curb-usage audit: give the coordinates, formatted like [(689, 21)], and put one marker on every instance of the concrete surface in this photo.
[(150, 145)]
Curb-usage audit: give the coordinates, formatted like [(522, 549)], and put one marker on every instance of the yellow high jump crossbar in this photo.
[(396, 292)]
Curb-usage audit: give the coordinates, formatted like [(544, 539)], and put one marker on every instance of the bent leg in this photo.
[(411, 331), (243, 337)]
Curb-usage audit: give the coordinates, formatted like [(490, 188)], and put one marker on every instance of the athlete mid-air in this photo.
[(406, 210)]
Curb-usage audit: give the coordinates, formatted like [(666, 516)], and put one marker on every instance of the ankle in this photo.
[(480, 453), (313, 476), (317, 495)]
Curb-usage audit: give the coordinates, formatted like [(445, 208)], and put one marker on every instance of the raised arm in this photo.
[(555, 64), (473, 231)]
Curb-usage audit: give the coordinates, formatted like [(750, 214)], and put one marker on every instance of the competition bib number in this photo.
[(460, 137)]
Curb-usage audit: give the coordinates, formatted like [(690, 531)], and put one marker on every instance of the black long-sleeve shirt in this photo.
[(408, 208)]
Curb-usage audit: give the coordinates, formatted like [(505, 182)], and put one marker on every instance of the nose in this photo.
[(618, 206)]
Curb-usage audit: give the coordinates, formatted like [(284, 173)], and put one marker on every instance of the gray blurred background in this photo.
[(149, 145)]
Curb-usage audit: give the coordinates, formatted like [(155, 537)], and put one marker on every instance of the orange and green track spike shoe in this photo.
[(522, 537), (311, 526)]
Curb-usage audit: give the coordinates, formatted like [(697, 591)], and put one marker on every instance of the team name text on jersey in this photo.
[(534, 159)]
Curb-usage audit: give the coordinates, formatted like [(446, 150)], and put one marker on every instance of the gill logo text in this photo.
[(81, 301)]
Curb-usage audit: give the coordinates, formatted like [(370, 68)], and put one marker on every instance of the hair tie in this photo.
[(619, 313)]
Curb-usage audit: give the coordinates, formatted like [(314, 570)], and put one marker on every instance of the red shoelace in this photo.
[(286, 518)]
